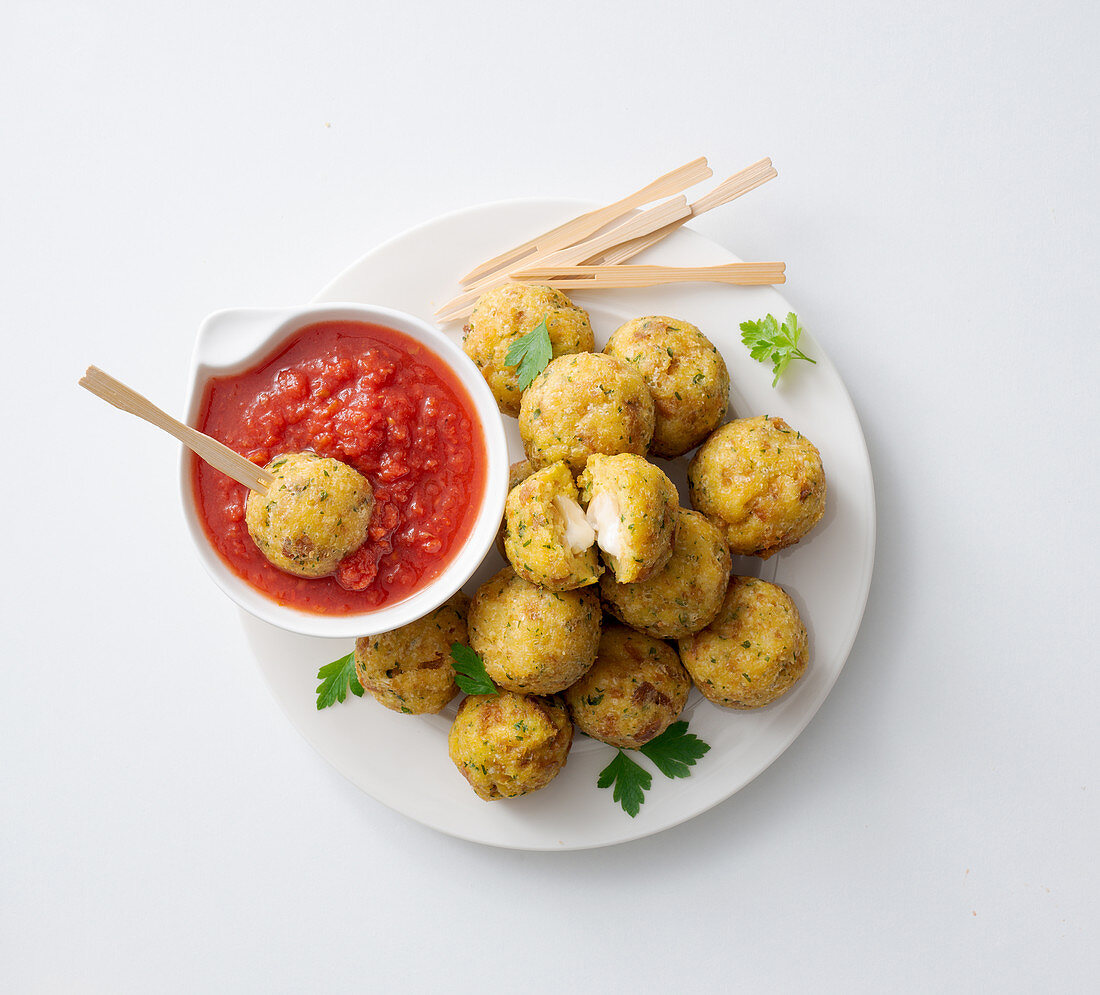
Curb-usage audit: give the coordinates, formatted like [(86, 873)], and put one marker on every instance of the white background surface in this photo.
[(165, 829)]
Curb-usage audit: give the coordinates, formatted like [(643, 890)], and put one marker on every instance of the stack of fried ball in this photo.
[(615, 599)]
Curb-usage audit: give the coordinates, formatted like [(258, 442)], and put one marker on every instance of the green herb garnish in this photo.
[(674, 752), (337, 678), (631, 782), (532, 352), (470, 675), (768, 340)]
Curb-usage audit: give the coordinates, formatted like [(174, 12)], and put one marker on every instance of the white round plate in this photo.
[(402, 760)]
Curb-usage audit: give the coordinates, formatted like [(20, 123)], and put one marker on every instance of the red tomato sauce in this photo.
[(385, 405)]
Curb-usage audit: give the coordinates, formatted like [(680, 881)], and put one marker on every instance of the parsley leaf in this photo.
[(675, 750), (674, 753), (531, 352), (337, 678), (767, 340), (470, 675), (631, 782)]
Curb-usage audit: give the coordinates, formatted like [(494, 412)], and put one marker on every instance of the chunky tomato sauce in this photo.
[(380, 402)]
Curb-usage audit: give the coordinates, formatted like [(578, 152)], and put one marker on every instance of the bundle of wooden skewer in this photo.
[(588, 252)]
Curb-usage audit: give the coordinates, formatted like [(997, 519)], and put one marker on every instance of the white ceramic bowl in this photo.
[(230, 342)]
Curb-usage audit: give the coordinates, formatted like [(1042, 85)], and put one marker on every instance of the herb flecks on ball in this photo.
[(685, 374), (533, 640), (760, 482), (632, 508), (547, 539), (315, 513), (585, 404), (504, 316), (409, 669), (686, 593), (755, 649), (510, 744), (634, 691)]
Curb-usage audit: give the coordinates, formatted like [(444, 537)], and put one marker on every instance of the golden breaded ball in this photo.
[(315, 513), (685, 374), (760, 482), (509, 744), (684, 596), (635, 690), (632, 506), (533, 640), (409, 669), (518, 472), (755, 649), (547, 539), (506, 314), (585, 404)]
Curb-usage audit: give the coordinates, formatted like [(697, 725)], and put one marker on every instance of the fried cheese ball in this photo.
[(685, 374), (634, 691), (584, 404), (409, 669), (683, 597), (631, 506), (506, 314), (518, 472), (547, 539), (533, 640), (509, 744), (760, 482), (315, 513), (754, 650)]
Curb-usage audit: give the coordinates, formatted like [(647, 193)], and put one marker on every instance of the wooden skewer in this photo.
[(608, 277), (729, 189), (639, 224), (587, 224), (219, 456)]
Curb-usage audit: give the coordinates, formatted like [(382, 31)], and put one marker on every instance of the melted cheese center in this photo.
[(603, 518), (579, 534)]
